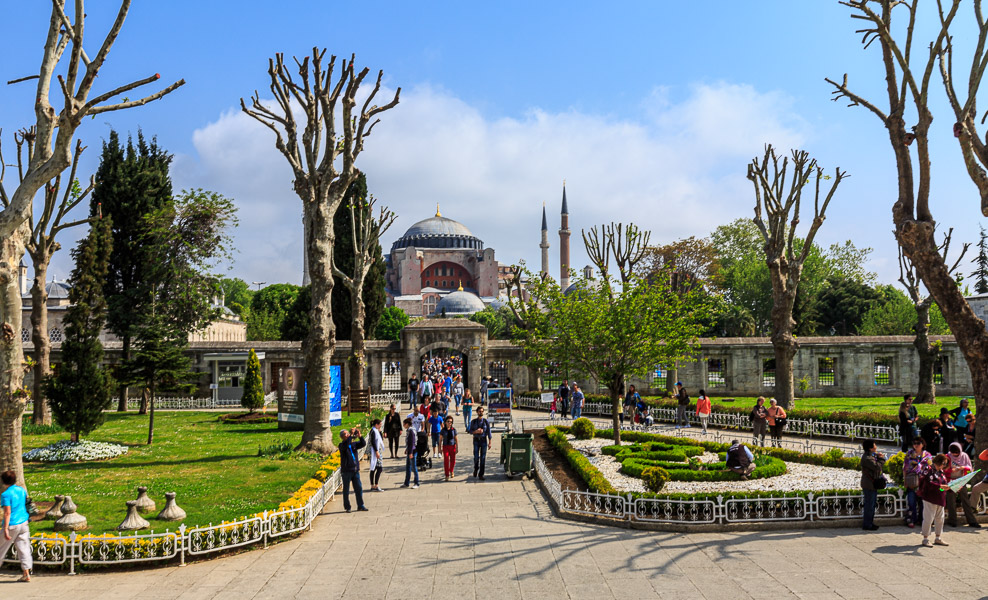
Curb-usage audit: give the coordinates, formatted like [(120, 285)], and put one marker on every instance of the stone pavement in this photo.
[(498, 540)]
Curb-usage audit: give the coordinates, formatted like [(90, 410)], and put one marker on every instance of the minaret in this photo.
[(564, 244), (545, 245)]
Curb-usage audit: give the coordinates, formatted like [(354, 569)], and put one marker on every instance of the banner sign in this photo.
[(335, 395), (547, 397), (499, 408), (291, 403)]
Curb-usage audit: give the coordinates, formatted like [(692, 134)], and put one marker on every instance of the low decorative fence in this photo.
[(807, 427), (720, 510), (87, 549)]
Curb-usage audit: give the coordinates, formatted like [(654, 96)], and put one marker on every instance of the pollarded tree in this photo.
[(907, 83), (366, 230), (81, 391), (322, 158), (253, 396), (777, 207), (927, 351), (53, 134)]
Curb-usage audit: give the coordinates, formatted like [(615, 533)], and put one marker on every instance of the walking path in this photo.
[(498, 540)]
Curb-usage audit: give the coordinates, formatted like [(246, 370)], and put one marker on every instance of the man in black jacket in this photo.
[(350, 442), (564, 399), (481, 430)]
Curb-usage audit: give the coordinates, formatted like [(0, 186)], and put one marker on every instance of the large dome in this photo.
[(459, 303), (438, 232)]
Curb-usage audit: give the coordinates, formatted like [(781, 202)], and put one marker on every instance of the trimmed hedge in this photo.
[(655, 478), (594, 479), (583, 429)]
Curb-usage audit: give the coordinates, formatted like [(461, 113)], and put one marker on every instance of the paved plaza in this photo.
[(499, 540)]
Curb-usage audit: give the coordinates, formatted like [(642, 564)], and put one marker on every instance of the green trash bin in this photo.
[(516, 453)]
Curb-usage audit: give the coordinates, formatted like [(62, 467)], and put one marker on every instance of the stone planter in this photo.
[(70, 519), (55, 511), (171, 512), (133, 521), (144, 503)]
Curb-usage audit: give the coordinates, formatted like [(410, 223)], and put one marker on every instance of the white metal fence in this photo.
[(86, 549), (726, 420)]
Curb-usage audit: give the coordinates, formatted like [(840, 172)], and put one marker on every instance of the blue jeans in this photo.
[(577, 411), (352, 477), (479, 455), (915, 512), (870, 500), (457, 399), (467, 415), (411, 399), (411, 467)]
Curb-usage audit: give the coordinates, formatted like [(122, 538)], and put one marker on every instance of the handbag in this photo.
[(881, 482), (912, 481)]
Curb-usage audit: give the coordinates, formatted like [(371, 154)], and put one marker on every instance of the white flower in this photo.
[(68, 451)]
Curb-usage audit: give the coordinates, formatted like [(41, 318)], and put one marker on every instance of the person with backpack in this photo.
[(413, 391), (740, 459), (933, 490), (682, 404), (13, 503), (872, 480)]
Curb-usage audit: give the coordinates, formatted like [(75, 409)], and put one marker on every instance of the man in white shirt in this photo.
[(418, 420)]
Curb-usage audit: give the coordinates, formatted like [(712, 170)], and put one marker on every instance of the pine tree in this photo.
[(253, 397), (81, 391), (980, 273)]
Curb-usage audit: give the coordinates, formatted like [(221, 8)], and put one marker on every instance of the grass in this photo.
[(213, 467), (887, 406)]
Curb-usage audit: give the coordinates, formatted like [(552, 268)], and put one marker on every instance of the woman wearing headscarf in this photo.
[(376, 448), (960, 465)]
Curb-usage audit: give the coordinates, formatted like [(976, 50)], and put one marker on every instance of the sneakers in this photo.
[(404, 485), (361, 509), (939, 542), (911, 525), (379, 489), (974, 525), (415, 487), (926, 543), (347, 510), (481, 478), (871, 528)]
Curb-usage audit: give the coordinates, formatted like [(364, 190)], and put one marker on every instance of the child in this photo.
[(933, 491), (552, 407)]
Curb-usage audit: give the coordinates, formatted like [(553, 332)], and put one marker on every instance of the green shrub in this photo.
[(583, 429), (655, 478), (893, 467), (591, 476)]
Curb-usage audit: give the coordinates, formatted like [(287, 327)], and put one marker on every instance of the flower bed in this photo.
[(69, 451)]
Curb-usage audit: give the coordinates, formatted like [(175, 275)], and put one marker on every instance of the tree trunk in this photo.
[(13, 398), (151, 417), (143, 410), (39, 336), (319, 345), (672, 376), (785, 278), (125, 356), (357, 352), (919, 245), (928, 354)]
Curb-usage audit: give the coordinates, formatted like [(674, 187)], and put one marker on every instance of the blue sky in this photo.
[(649, 110)]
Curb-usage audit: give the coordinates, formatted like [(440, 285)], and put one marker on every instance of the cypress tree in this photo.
[(980, 273), (253, 397), (81, 391)]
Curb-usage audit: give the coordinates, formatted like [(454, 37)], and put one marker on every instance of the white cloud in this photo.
[(678, 170)]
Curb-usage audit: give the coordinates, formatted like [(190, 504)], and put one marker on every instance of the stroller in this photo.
[(422, 449)]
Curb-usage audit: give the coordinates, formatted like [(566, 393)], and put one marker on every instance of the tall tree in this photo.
[(273, 312), (907, 84), (253, 396), (343, 254), (52, 135), (323, 164), (132, 182), (366, 230), (980, 273), (927, 351), (236, 295), (41, 246), (81, 391), (777, 209)]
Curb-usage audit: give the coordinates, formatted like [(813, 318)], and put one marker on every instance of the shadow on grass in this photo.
[(105, 465)]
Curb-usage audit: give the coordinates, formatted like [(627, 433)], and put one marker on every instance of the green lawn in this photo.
[(213, 467), (889, 406)]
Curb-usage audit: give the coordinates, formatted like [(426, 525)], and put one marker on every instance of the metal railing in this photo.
[(727, 420), (87, 549)]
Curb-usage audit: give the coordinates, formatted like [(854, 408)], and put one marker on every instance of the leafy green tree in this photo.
[(842, 304), (253, 397), (295, 324), (236, 294), (82, 389), (392, 321), (132, 182), (894, 315), (268, 309), (495, 320), (980, 273)]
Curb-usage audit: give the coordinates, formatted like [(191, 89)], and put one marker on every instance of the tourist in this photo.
[(871, 471), (458, 393), (448, 384), (931, 435), (564, 399), (932, 489), (960, 415), (631, 400), (916, 459), (418, 419), (507, 384), (740, 459), (392, 430), (948, 432), (759, 421), (578, 399), (979, 488), (907, 422), (643, 418), (376, 445), (413, 391), (969, 445), (467, 406), (16, 533), (485, 382), (552, 406), (703, 409), (960, 465), (350, 442), (776, 421), (482, 440), (426, 389), (411, 439), (682, 405), (435, 426), (450, 447)]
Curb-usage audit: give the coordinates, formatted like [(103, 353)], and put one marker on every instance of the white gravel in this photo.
[(799, 476)]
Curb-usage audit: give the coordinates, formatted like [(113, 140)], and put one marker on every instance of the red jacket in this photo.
[(930, 482)]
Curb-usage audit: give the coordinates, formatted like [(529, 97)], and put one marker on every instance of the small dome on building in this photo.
[(459, 303), (57, 290)]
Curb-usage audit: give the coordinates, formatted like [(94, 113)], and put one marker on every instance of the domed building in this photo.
[(436, 258), (458, 303)]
